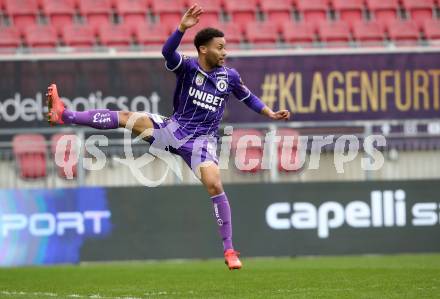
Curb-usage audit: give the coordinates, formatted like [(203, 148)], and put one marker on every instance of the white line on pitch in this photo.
[(39, 294)]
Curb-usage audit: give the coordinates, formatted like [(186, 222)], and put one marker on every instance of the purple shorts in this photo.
[(195, 150)]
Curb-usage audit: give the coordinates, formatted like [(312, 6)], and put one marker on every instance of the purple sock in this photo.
[(222, 213), (99, 119)]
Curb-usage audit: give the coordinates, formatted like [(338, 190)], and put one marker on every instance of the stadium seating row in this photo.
[(120, 35), (122, 22), (240, 11), (31, 155), (287, 150), (96, 12)]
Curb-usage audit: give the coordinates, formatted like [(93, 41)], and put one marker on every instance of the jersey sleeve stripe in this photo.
[(176, 67), (249, 94)]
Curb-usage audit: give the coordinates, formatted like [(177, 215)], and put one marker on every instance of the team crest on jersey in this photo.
[(222, 85), (200, 78)]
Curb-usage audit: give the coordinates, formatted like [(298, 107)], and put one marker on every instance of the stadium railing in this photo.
[(408, 154)]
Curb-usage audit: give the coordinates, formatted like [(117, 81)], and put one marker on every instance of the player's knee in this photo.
[(123, 117), (215, 188)]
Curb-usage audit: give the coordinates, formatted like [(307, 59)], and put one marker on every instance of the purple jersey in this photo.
[(200, 97), (199, 102)]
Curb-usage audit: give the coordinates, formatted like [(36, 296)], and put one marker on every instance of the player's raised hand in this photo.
[(191, 17)]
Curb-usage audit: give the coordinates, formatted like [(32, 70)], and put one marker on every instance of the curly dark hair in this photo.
[(205, 35)]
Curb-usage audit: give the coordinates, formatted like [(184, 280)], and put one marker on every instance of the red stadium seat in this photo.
[(188, 37), (368, 33), (232, 33), (420, 10), (77, 35), (97, 12), (384, 11), (211, 10), (60, 12), (23, 13), (151, 35), (38, 36), (203, 23), (241, 12), (298, 33), (9, 37), (258, 32), (278, 11), (245, 152), (133, 12), (431, 29), (288, 159), (334, 32), (115, 35), (403, 31), (69, 151), (30, 154), (313, 11), (349, 11), (169, 12)]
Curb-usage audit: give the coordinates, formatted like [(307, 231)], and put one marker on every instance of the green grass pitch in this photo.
[(397, 276)]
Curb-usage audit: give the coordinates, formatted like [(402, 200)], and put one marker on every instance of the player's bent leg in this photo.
[(210, 177), (137, 122), (102, 119)]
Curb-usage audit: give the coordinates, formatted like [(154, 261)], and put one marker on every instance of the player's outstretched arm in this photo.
[(243, 94), (258, 106), (278, 115), (189, 19)]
